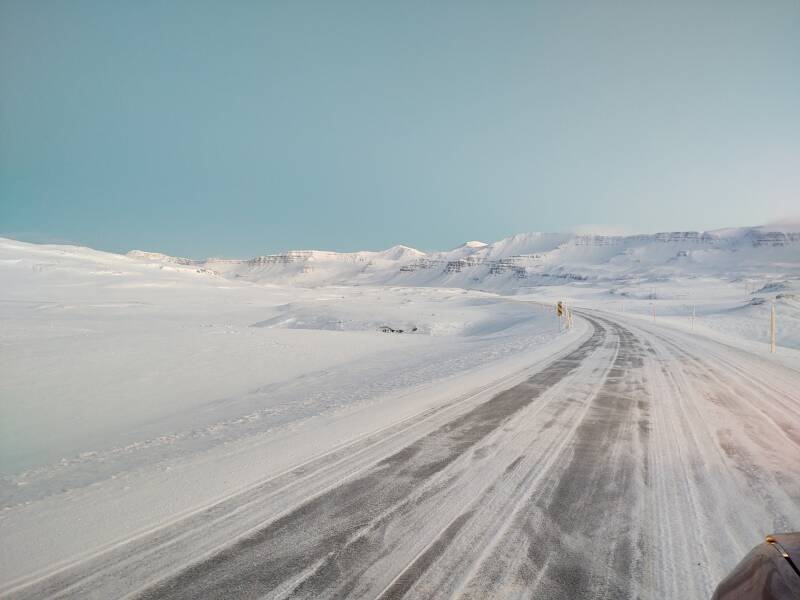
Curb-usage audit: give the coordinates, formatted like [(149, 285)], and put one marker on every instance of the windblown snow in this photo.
[(136, 389)]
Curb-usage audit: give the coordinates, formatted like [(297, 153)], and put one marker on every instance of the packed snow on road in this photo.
[(399, 423)]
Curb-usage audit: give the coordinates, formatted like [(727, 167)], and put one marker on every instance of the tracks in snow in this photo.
[(640, 464)]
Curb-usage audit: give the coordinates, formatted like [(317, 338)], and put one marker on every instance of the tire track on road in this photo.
[(130, 563), (593, 488), (332, 529), (725, 473)]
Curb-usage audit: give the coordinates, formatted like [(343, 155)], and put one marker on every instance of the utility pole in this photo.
[(772, 328)]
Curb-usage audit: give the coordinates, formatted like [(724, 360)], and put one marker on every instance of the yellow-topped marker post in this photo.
[(563, 311)]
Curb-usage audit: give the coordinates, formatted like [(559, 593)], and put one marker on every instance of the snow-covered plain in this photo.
[(127, 387), (136, 390), (728, 278)]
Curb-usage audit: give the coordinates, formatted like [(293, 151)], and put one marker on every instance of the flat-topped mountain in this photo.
[(524, 259)]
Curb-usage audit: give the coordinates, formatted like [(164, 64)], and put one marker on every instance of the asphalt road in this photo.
[(641, 463)]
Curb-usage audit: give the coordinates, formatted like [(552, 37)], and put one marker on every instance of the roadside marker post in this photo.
[(559, 313), (563, 312), (772, 328)]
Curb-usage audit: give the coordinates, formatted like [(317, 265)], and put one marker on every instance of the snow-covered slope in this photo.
[(528, 259), (113, 346), (138, 387), (151, 368), (728, 278)]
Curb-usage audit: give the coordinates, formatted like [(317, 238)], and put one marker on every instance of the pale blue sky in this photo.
[(239, 128)]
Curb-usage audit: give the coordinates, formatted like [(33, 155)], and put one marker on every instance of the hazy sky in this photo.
[(238, 128)]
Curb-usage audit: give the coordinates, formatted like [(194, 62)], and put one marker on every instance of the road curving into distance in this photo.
[(641, 463)]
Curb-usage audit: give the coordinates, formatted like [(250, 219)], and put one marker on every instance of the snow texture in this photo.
[(139, 391)]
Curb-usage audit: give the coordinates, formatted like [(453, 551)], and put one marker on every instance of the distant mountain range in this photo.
[(526, 259)]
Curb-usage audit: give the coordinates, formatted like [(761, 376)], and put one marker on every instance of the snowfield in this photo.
[(114, 371), (398, 423), (728, 278)]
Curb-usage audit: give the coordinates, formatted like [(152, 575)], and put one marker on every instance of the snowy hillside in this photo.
[(727, 278), (529, 259), (124, 346), (137, 388)]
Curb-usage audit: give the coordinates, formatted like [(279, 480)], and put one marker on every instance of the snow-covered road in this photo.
[(641, 462)]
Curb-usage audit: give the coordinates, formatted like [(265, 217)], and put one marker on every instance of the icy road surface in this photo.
[(639, 463)]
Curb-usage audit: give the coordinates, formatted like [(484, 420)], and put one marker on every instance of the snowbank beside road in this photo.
[(734, 312), (132, 392)]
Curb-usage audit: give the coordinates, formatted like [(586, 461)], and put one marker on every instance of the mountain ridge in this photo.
[(520, 260)]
